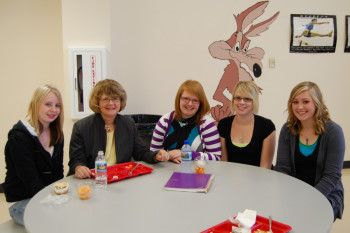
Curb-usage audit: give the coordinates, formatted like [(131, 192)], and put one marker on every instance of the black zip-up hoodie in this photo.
[(29, 166)]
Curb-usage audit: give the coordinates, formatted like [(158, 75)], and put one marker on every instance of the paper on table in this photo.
[(55, 199), (247, 219)]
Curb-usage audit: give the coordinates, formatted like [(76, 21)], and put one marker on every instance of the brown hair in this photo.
[(109, 87), (56, 133), (321, 115), (195, 88)]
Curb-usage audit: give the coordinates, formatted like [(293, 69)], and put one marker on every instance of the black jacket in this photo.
[(29, 166), (89, 136)]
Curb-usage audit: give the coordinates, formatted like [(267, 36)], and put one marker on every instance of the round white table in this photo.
[(140, 204)]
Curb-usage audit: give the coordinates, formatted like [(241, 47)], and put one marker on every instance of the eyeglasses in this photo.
[(245, 99), (187, 100), (106, 100)]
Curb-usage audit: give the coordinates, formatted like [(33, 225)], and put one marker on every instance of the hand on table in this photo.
[(162, 156), (175, 156), (82, 172)]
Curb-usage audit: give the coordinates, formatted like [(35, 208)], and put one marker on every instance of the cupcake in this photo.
[(61, 188)]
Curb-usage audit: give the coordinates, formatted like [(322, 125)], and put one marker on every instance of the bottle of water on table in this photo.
[(101, 171), (186, 158)]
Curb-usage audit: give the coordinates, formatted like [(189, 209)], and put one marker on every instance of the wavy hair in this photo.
[(109, 87), (321, 116)]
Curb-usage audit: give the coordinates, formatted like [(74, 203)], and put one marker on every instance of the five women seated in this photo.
[(311, 147)]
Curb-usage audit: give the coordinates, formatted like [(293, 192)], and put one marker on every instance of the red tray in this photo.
[(261, 223), (121, 171)]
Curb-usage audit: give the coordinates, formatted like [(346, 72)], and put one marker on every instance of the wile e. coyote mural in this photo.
[(236, 51)]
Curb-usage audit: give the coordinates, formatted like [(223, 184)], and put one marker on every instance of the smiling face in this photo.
[(304, 107), (242, 104), (109, 106), (189, 104), (49, 109)]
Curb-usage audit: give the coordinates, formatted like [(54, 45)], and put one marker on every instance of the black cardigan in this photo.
[(89, 136)]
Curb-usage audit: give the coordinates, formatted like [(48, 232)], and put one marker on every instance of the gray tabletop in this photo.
[(140, 204)]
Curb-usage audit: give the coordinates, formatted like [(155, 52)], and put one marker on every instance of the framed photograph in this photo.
[(313, 33), (347, 34)]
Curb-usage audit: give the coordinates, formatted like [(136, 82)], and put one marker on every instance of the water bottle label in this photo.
[(186, 156), (101, 167)]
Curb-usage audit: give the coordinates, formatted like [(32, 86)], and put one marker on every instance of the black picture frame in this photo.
[(312, 33), (347, 31)]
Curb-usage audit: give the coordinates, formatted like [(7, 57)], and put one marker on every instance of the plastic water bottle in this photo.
[(186, 158), (101, 171)]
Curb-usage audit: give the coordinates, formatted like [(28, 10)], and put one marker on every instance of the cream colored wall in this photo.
[(35, 37), (85, 23), (31, 55)]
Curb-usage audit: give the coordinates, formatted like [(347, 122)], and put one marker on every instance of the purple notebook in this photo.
[(189, 182)]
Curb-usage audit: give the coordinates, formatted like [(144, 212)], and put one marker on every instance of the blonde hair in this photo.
[(109, 87), (195, 88), (248, 89), (56, 133), (321, 115)]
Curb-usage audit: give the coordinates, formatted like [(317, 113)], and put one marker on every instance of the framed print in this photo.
[(347, 34), (313, 33)]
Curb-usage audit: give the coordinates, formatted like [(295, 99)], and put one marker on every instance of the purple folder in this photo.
[(189, 182)]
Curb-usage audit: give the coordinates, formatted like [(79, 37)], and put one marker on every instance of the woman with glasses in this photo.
[(34, 150), (189, 122), (246, 137), (311, 146), (107, 131)]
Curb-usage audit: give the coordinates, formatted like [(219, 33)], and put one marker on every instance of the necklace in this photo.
[(108, 127), (240, 139), (183, 123), (307, 141)]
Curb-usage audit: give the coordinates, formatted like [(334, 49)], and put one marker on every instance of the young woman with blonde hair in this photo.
[(311, 146), (34, 150), (247, 137)]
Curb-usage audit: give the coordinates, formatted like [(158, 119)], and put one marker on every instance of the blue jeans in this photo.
[(17, 211)]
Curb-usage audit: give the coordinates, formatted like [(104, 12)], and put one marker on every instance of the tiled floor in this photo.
[(340, 226)]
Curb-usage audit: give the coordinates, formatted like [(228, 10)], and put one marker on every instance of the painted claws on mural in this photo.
[(218, 112)]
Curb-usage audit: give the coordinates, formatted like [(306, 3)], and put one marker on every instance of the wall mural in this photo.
[(236, 51)]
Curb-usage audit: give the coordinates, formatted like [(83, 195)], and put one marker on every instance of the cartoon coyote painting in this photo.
[(236, 51)]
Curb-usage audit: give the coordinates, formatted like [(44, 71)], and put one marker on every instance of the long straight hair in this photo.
[(33, 113), (195, 88)]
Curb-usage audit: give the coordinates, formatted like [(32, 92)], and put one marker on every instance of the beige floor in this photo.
[(340, 226)]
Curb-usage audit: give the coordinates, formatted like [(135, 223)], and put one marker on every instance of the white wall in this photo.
[(156, 45)]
